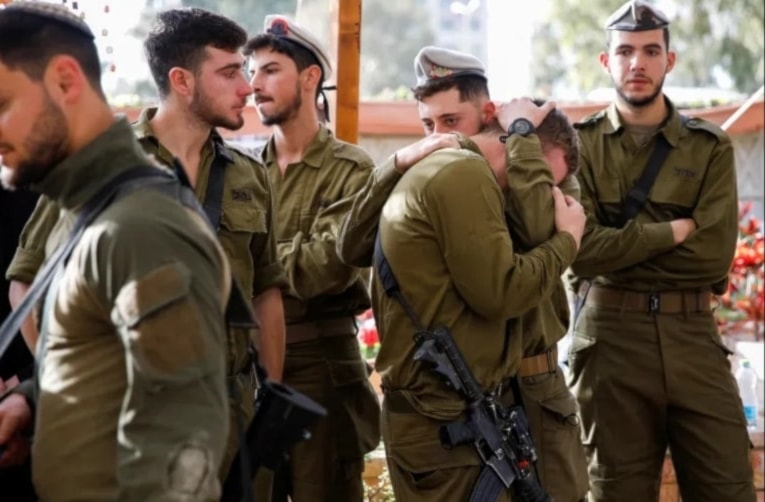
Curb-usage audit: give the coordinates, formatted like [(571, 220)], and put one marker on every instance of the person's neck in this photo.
[(292, 137), (97, 121), (179, 130), (493, 150), (652, 114)]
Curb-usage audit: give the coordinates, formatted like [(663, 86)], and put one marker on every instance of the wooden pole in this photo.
[(346, 40)]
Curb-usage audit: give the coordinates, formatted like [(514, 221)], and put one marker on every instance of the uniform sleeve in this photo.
[(606, 249), (708, 252), (529, 200), (311, 261), (174, 416), (466, 206), (30, 253), (358, 229), (268, 269)]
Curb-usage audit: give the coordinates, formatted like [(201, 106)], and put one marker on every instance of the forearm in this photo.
[(270, 313), (529, 198), (358, 229), (16, 293), (313, 267)]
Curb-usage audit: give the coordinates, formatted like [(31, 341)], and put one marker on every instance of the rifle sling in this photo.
[(638, 195)]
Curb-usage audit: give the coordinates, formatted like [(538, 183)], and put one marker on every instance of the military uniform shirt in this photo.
[(313, 196), (444, 234), (131, 401), (697, 180)]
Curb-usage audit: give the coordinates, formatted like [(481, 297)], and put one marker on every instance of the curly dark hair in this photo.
[(179, 37)]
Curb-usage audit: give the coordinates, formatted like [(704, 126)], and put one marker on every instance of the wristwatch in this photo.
[(521, 126)]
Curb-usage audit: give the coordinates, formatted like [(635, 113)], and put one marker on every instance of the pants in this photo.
[(552, 412), (648, 381), (329, 466)]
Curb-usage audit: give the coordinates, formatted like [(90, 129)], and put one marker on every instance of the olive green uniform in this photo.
[(129, 396), (444, 234), (647, 365), (246, 234), (323, 359), (549, 403)]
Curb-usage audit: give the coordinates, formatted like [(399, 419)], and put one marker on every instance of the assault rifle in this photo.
[(500, 436)]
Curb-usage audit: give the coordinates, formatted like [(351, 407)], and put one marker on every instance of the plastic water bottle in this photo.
[(747, 386)]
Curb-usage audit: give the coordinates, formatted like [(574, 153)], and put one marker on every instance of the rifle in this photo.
[(500, 436)]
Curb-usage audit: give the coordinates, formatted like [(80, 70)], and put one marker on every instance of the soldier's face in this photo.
[(638, 62), (278, 86), (445, 112), (33, 130), (220, 89)]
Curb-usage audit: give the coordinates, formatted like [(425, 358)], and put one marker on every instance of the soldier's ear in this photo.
[(603, 58), (488, 112), (65, 79), (181, 81), (671, 55)]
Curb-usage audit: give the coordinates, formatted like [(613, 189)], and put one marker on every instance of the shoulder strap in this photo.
[(390, 284), (637, 196), (213, 202), (42, 280)]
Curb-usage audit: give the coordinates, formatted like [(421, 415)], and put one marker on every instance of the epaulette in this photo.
[(699, 124), (253, 153), (354, 153), (590, 120)]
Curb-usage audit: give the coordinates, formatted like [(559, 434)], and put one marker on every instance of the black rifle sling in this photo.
[(213, 201), (92, 208), (390, 284), (638, 195)]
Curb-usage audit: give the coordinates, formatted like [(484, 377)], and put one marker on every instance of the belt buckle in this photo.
[(653, 302)]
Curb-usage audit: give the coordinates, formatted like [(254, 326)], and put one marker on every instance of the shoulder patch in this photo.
[(354, 153), (699, 124), (590, 120)]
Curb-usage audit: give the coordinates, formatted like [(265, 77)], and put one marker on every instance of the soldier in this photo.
[(647, 365), (315, 177), (444, 234), (453, 95), (194, 58), (129, 400)]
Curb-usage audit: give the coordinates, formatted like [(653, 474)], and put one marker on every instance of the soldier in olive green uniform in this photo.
[(129, 399), (245, 229), (315, 177), (443, 231), (647, 364), (453, 95)]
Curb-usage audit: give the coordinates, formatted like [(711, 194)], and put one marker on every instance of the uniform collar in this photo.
[(671, 128), (314, 154), (143, 131), (78, 177)]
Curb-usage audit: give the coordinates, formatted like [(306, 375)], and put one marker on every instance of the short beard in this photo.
[(286, 114), (47, 144), (201, 107), (640, 102)]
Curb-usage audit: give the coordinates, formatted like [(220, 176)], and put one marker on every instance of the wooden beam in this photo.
[(346, 37)]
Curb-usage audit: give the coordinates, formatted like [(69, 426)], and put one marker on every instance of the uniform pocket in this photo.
[(160, 324), (240, 217)]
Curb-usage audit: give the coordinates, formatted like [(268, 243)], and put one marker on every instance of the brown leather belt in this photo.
[(546, 362), (311, 330), (660, 302)]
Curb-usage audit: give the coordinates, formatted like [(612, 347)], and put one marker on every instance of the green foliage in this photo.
[(392, 33), (249, 13), (708, 36)]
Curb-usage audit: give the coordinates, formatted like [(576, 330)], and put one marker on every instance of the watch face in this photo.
[(522, 127)]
